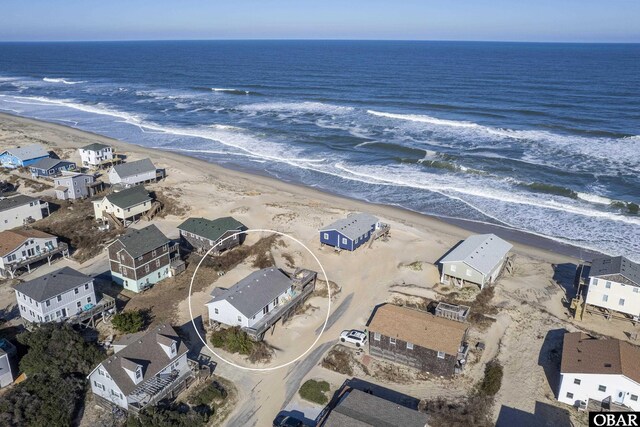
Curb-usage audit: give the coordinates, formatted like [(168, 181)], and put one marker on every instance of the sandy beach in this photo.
[(527, 309)]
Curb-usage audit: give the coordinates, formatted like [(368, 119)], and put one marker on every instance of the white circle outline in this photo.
[(326, 320)]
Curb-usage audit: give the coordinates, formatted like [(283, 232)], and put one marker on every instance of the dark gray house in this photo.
[(201, 234), (418, 339), (359, 409), (49, 167)]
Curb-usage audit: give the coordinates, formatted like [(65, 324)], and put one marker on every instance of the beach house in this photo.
[(478, 260), (55, 296), (8, 362), (134, 173), (74, 185), (142, 258), (20, 210), (201, 234), (23, 156), (259, 300), (352, 232), (95, 154), (597, 373), (418, 339), (359, 408), (50, 167), (21, 248), (123, 207), (152, 367), (614, 287)]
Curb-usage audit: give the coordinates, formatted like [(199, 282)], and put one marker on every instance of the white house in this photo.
[(20, 210), (150, 367), (56, 296), (479, 260), (21, 247), (260, 299), (126, 205), (134, 173), (614, 284), (94, 154), (600, 370)]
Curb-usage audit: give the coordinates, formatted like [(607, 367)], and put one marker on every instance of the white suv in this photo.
[(354, 336)]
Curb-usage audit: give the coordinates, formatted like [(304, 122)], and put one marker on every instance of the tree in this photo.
[(129, 322)]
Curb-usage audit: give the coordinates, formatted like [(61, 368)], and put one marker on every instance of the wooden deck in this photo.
[(11, 269)]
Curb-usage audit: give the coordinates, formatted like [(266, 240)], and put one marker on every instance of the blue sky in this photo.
[(514, 20)]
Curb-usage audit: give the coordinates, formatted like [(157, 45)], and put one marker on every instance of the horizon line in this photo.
[(319, 40)]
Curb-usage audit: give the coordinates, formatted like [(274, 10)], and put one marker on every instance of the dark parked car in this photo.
[(287, 421)]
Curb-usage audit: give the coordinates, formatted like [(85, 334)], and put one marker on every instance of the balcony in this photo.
[(48, 253), (159, 387)]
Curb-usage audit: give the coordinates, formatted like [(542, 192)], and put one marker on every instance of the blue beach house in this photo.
[(50, 167), (351, 232), (23, 156)]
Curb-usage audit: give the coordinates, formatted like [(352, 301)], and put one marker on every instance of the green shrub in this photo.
[(233, 340), (492, 380), (211, 392), (129, 322), (315, 391)]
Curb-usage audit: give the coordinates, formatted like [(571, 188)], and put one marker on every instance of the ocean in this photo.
[(542, 138)]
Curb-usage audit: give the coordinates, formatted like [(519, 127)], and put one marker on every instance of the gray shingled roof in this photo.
[(209, 229), (27, 152), (15, 201), (134, 168), (480, 251), (49, 163), (353, 226), (52, 284), (618, 269), (147, 352), (358, 409), (129, 197), (140, 242), (254, 292), (96, 146)]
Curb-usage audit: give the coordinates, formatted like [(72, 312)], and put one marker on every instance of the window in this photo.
[(326, 236), (453, 268), (469, 272), (138, 373), (239, 318), (569, 395), (76, 291), (98, 385), (215, 310), (344, 240), (409, 346), (153, 252), (605, 298), (124, 271), (140, 258), (146, 268), (576, 381), (441, 355), (78, 304), (602, 388), (100, 371), (634, 397), (157, 263), (59, 298), (392, 341), (594, 281), (376, 336), (621, 302), (608, 285), (275, 302), (86, 287), (88, 300), (636, 289)]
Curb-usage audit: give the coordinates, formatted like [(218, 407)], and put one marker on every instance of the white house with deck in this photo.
[(478, 260), (614, 285), (17, 211), (20, 248), (134, 173), (146, 368), (95, 154), (599, 372), (56, 296)]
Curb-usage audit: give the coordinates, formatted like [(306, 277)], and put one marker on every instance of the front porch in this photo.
[(161, 386), (48, 254)]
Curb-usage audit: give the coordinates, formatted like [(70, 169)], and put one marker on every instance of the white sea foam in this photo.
[(61, 80), (594, 198), (306, 107)]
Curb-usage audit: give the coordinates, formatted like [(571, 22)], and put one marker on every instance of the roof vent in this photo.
[(607, 365)]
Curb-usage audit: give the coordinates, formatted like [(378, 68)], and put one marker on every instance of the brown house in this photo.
[(142, 258), (418, 339)]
